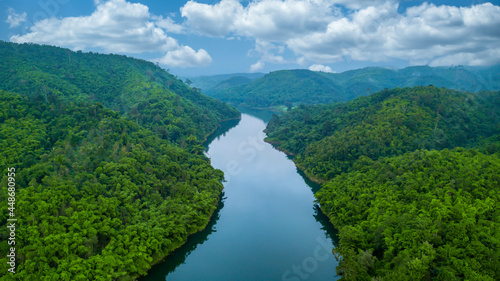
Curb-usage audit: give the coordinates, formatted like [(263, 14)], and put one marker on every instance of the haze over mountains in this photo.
[(294, 87)]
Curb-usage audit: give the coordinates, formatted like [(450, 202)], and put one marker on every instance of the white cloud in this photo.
[(318, 31), (185, 56), (212, 20), (359, 4), (267, 53), (257, 66), (14, 19), (115, 26), (320, 67), (168, 24), (266, 19)]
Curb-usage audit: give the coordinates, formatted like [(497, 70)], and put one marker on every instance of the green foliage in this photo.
[(425, 215), (406, 207), (101, 194), (138, 89), (281, 88), (209, 82), (98, 196), (294, 87), (330, 138)]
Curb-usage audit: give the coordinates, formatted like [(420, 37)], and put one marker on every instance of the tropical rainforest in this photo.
[(290, 88), (410, 180), (109, 166)]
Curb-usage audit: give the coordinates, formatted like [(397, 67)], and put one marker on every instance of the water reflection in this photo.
[(178, 257), (224, 128), (269, 228)]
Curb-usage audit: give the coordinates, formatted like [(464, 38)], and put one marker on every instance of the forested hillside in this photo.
[(208, 82), (424, 215), (294, 87), (110, 174), (328, 139), (407, 207), (139, 89)]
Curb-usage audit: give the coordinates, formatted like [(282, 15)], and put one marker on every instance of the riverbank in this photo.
[(268, 223), (308, 175), (207, 139), (224, 126), (161, 257)]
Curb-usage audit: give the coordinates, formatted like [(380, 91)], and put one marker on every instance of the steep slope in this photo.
[(105, 153), (406, 207), (97, 197), (329, 138), (137, 88)]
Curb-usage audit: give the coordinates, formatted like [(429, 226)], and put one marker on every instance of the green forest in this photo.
[(291, 88), (410, 180), (140, 90), (109, 166)]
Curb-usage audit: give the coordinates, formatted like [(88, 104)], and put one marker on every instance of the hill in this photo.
[(208, 82), (102, 163), (138, 89), (406, 206), (295, 87), (424, 215), (285, 87), (329, 138)]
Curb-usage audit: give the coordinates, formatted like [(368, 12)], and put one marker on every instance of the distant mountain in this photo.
[(284, 87), (294, 87), (231, 82), (207, 82)]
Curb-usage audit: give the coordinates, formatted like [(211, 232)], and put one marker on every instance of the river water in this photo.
[(267, 226)]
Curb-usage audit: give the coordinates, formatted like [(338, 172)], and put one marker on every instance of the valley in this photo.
[(125, 172)]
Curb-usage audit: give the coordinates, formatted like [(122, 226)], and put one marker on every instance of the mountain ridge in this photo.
[(301, 86)]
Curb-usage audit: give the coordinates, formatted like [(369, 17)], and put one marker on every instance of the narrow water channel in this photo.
[(267, 226)]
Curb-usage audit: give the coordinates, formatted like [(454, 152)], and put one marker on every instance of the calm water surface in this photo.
[(267, 226)]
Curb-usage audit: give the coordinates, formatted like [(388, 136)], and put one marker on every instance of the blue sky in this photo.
[(202, 37)]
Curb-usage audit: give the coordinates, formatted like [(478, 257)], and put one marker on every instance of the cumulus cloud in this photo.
[(14, 19), (320, 67), (212, 20), (265, 19), (115, 26), (319, 31), (185, 56), (257, 66), (168, 24)]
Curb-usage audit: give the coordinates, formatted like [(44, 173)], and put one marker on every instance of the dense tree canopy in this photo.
[(425, 215), (138, 89), (99, 197), (329, 138), (109, 169), (406, 207)]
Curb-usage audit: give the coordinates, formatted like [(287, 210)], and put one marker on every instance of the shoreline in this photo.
[(161, 258), (218, 126), (308, 175)]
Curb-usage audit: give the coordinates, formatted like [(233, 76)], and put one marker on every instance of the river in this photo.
[(267, 226)]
